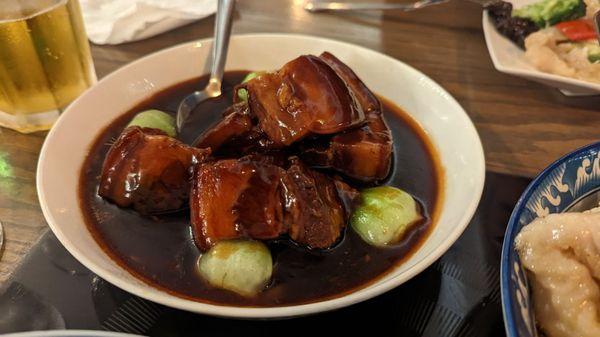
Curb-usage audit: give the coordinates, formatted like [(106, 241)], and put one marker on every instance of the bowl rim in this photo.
[(509, 234), (353, 297)]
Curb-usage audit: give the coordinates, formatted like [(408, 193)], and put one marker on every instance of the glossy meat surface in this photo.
[(361, 151), (365, 153), (148, 170), (304, 97), (236, 122), (235, 198), (348, 195), (235, 135), (366, 99), (254, 197), (314, 212)]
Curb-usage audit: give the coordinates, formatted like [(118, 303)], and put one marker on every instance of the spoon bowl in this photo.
[(190, 102), (219, 56)]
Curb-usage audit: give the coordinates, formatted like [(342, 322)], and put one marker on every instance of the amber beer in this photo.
[(45, 61)]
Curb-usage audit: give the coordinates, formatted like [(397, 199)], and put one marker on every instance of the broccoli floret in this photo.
[(593, 53), (550, 12)]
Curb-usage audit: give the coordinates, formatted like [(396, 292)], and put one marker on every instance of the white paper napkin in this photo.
[(119, 21)]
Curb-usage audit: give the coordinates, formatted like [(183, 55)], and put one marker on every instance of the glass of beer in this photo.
[(45, 61)]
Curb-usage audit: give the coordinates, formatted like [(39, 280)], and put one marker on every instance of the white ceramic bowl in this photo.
[(67, 144), (509, 58)]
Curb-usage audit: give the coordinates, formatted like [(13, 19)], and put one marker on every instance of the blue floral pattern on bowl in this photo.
[(559, 186)]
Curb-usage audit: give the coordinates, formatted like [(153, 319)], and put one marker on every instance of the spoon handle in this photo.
[(220, 45), (319, 6)]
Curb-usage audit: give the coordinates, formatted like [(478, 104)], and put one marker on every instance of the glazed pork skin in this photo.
[(364, 153), (314, 211), (255, 197), (236, 122), (236, 198), (236, 135), (148, 170), (304, 97)]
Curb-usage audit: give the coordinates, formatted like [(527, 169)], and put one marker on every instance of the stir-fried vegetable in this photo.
[(243, 93), (384, 215), (593, 53), (550, 12), (516, 29), (155, 119), (241, 266), (577, 30)]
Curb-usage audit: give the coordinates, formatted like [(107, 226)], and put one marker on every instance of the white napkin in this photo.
[(119, 21)]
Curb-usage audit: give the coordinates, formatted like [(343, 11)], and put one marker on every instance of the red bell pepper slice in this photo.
[(577, 30)]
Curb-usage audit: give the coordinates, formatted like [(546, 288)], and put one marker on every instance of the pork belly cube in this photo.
[(148, 170), (234, 199), (363, 153), (304, 97), (314, 211)]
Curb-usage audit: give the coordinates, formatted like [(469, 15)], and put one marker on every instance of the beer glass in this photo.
[(45, 61)]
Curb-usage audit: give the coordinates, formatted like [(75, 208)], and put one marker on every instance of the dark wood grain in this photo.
[(524, 126)]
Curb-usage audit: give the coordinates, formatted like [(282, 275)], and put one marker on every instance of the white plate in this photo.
[(509, 58), (440, 115)]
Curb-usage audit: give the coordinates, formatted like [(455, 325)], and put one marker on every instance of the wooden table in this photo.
[(523, 125)]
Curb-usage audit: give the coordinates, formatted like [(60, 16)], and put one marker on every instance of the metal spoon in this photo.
[(219, 55), (319, 6)]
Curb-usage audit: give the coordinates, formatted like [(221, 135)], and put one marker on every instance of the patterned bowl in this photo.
[(565, 185)]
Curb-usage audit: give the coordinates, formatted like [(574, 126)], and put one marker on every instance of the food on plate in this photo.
[(561, 253), (384, 215), (549, 51), (242, 266), (550, 12), (257, 211), (557, 35), (515, 28)]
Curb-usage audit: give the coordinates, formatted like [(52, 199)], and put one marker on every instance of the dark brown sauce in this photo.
[(159, 249)]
